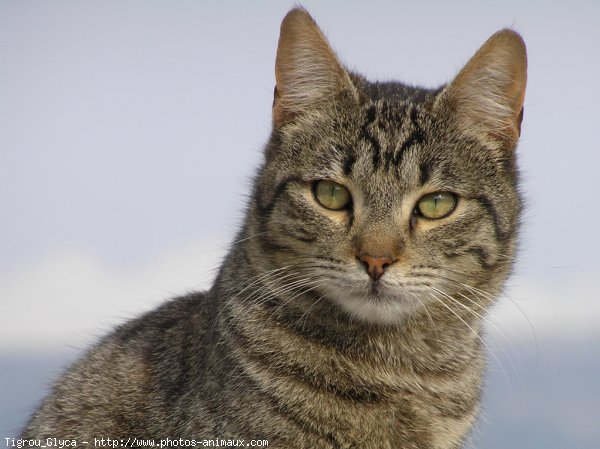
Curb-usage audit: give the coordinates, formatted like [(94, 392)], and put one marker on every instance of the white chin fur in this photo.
[(375, 309)]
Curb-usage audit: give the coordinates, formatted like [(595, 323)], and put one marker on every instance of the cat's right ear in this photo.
[(307, 71)]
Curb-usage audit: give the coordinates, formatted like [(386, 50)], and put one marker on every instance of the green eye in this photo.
[(437, 204), (331, 195)]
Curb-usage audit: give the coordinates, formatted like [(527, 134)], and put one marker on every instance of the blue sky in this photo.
[(130, 132)]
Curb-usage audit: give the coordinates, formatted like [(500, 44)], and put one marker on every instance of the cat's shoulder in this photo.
[(173, 318), (125, 369), (150, 338)]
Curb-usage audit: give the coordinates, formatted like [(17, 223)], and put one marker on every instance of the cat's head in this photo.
[(384, 196)]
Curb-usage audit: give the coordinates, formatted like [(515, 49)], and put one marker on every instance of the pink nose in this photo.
[(375, 265)]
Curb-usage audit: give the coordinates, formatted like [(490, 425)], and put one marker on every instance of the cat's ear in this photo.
[(487, 95), (307, 71)]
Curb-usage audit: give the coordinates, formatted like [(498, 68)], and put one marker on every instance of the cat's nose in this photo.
[(375, 265)]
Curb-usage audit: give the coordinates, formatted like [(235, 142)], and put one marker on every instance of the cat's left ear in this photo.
[(307, 71), (486, 97)]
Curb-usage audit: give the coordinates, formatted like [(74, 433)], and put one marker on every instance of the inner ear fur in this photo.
[(307, 71), (486, 97)]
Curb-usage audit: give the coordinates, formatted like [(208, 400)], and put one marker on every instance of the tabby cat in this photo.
[(348, 313)]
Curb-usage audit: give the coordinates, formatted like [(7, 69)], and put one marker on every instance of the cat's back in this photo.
[(122, 385)]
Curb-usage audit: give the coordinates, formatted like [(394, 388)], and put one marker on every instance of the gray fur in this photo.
[(272, 351)]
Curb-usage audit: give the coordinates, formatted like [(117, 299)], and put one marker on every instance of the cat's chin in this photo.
[(375, 306)]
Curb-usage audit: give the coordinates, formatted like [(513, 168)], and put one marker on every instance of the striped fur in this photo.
[(295, 343)]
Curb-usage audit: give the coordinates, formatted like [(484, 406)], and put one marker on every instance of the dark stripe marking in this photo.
[(365, 134), (349, 163), (311, 380), (302, 236), (315, 381), (487, 204), (371, 113), (416, 137), (426, 169), (270, 246), (298, 420), (483, 257), (279, 189)]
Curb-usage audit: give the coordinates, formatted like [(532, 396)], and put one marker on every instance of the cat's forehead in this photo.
[(382, 139), (393, 142)]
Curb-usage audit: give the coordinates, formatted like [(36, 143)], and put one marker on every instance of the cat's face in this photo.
[(390, 198)]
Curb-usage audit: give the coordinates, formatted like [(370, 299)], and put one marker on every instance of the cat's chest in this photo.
[(355, 390), (406, 423), (341, 405)]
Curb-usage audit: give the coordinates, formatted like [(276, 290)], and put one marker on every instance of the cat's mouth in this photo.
[(375, 289), (374, 301), (378, 292)]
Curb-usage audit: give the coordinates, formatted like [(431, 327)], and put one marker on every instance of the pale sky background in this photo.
[(130, 132)]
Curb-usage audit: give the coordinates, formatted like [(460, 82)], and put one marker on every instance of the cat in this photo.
[(348, 313)]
